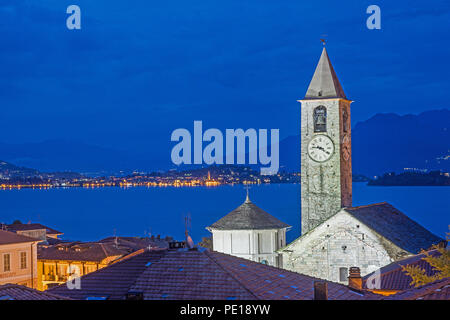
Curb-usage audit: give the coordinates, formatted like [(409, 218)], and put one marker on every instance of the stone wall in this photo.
[(340, 242), (325, 186)]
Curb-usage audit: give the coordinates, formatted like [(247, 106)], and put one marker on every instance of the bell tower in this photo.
[(326, 157)]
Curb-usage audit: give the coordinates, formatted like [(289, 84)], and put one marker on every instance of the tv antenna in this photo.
[(187, 225)]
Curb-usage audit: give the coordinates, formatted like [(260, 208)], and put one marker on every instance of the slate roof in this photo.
[(437, 290), (136, 243), (7, 237), (324, 83), (395, 226), (31, 226), (248, 216), (18, 292), (192, 274), (80, 251), (394, 278)]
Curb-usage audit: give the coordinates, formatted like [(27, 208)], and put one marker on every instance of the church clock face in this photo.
[(320, 148)]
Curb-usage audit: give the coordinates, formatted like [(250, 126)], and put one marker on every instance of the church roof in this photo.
[(389, 223), (324, 83), (246, 217), (395, 226)]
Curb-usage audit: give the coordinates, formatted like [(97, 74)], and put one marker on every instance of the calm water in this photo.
[(92, 214)]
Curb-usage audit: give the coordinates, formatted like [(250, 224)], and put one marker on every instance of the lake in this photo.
[(92, 214)]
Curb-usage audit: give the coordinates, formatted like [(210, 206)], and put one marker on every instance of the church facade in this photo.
[(335, 235)]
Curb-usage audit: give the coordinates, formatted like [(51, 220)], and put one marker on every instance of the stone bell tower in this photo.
[(326, 157)]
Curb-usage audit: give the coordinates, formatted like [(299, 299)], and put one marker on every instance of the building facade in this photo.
[(57, 263), (251, 233), (18, 259)]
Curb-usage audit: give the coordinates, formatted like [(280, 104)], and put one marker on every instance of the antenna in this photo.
[(187, 224), (115, 238)]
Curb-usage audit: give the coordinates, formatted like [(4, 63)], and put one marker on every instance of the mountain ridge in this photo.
[(382, 143)]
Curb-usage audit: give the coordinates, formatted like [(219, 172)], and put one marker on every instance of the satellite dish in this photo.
[(189, 242)]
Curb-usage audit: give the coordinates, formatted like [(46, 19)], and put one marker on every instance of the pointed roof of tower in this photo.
[(248, 216), (324, 83)]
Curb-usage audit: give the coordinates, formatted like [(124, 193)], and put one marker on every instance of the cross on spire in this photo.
[(247, 199)]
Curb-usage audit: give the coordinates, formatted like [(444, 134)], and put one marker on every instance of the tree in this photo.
[(439, 263), (206, 243)]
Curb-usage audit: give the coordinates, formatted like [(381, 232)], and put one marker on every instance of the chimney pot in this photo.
[(320, 290), (354, 278)]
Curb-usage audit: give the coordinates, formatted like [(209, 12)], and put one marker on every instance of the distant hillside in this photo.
[(433, 178), (8, 170), (389, 142), (13, 172), (62, 155), (383, 143)]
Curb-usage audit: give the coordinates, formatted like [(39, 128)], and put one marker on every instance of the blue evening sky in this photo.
[(139, 69)]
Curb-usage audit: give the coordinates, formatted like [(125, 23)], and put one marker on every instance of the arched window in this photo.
[(320, 119)]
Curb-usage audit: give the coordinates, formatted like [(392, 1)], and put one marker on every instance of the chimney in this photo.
[(354, 279), (177, 244), (320, 290)]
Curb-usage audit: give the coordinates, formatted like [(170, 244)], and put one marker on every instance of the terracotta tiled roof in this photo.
[(395, 226), (18, 292), (80, 251), (192, 274), (248, 216), (31, 226), (7, 237), (114, 281), (394, 278), (438, 290)]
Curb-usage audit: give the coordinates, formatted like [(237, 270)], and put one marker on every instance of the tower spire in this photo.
[(324, 83)]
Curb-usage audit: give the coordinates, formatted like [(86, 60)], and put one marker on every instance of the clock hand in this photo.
[(320, 148)]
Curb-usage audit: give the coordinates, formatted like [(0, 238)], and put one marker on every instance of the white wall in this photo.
[(256, 245), (340, 242)]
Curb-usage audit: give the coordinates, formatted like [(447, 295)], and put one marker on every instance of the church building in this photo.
[(335, 235), (251, 233)]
